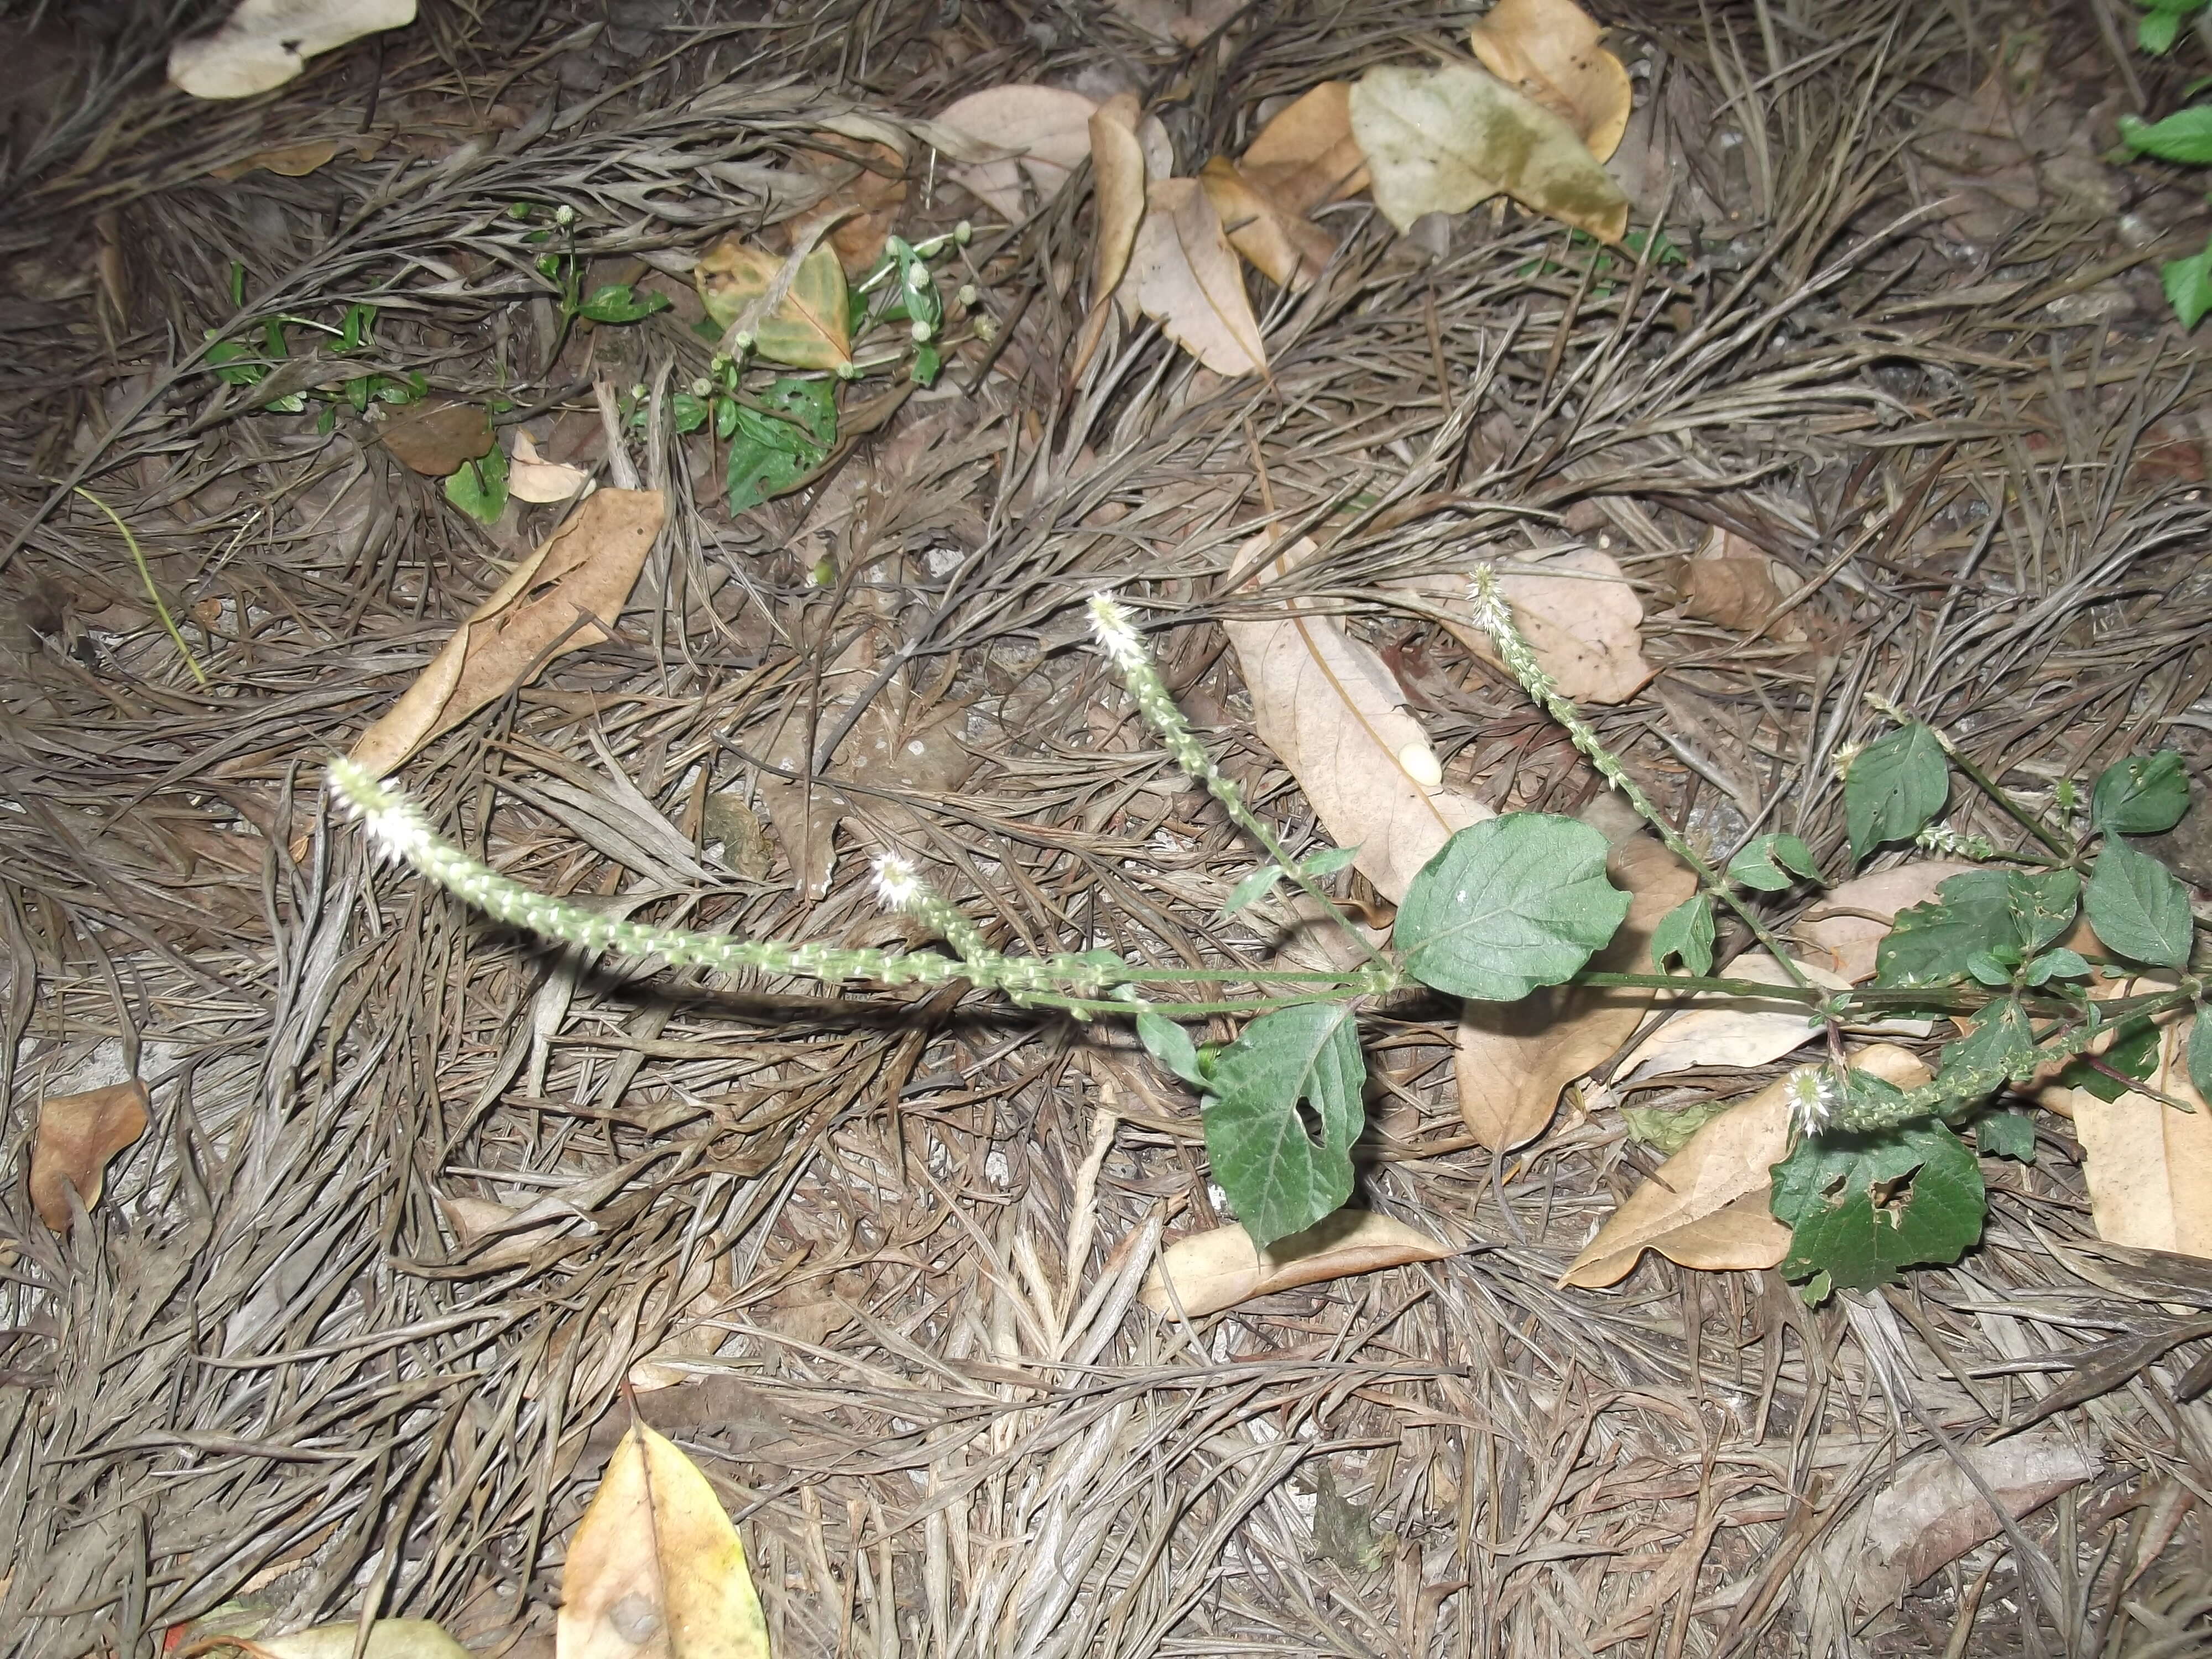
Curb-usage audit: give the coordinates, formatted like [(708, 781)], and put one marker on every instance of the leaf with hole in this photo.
[(2005, 1134), (1772, 863), (1860, 1208), (2142, 795), (1281, 1178), (1895, 786), (1687, 933), (2000, 914), (767, 458), (2139, 910), (1507, 905)]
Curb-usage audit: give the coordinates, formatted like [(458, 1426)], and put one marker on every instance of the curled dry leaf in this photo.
[(435, 437), (1210, 1271), (531, 478), (864, 180), (1513, 1058), (655, 1570), (1332, 713), (1714, 1029), (264, 43), (1852, 921), (1286, 248), (1307, 156), (586, 569), (296, 160), (1189, 280), (77, 1136), (1706, 1206), (1580, 616), (1118, 170), (2149, 1167), (1014, 135), (1441, 140), (808, 325), (1548, 51)]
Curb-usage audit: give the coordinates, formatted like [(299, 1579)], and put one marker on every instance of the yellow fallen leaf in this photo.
[(1213, 1270), (388, 1639), (809, 327), (1548, 51), (1851, 922), (1330, 710), (586, 569), (530, 478), (1286, 248), (1040, 135), (1307, 156), (264, 43), (655, 1570), (1726, 1166), (2149, 1167), (1117, 174), (1440, 140), (1189, 280), (1512, 1059), (76, 1135)]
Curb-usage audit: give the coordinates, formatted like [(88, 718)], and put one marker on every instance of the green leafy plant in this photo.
[(2185, 136), (1878, 1179)]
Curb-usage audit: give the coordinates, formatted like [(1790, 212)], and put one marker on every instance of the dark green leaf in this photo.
[(2005, 1134), (2042, 907), (768, 457), (479, 488), (1170, 1045), (2184, 136), (1686, 931), (726, 416), (687, 413), (2057, 964), (2139, 910), (1508, 904), (2200, 1055), (2133, 1052), (1998, 1044), (1328, 861), (813, 403), (1930, 943), (1772, 863), (1895, 786), (618, 302), (2187, 284), (1253, 888), (1279, 1178), (928, 363), (1985, 966), (1861, 1207), (2156, 33), (2143, 795), (235, 363)]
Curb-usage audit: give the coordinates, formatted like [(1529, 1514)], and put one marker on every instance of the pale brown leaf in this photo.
[(1714, 1029), (864, 180), (1852, 921), (1334, 715), (655, 1569), (1513, 1058), (1188, 280), (1118, 171), (77, 1134), (1577, 612), (1306, 156), (388, 1639), (1208, 1272), (1727, 1161), (1285, 247), (586, 569), (1548, 51), (264, 43), (1041, 134), (2149, 1167), (531, 478), (1440, 140)]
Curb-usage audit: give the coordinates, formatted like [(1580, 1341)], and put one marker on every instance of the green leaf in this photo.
[(1773, 863), (2139, 910), (768, 457), (2200, 1054), (1279, 1179), (1508, 904), (2042, 907), (1253, 888), (1930, 943), (2057, 964), (2143, 795), (1998, 1043), (2187, 284), (2156, 33), (812, 404), (238, 373), (1667, 1132), (726, 416), (928, 363), (2184, 136), (2005, 1134), (1328, 861), (1687, 931), (687, 413), (2133, 1052), (1896, 786), (618, 302), (479, 486), (1170, 1045), (1861, 1207)]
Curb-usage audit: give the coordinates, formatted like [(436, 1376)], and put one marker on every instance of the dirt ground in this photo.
[(350, 1324)]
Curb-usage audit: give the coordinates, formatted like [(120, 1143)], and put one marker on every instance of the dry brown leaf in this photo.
[(1852, 921), (264, 43), (296, 160), (435, 437), (807, 325), (1118, 171), (1186, 23), (1577, 612), (1043, 134), (586, 569), (1548, 51), (1513, 1058), (1715, 1030), (1210, 1271), (1932, 1512), (77, 1136), (1189, 280), (864, 180), (1727, 1164), (1333, 714), (531, 478), (1307, 156), (2149, 1167), (655, 1569), (1735, 592), (923, 753), (1440, 140), (388, 1639), (1286, 248)]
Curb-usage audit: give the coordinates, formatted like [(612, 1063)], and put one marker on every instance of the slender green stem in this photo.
[(146, 575)]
